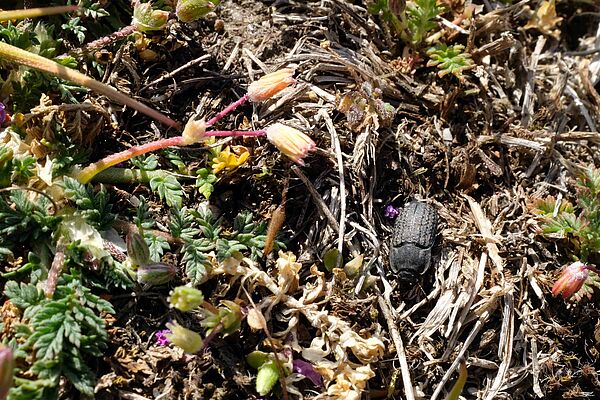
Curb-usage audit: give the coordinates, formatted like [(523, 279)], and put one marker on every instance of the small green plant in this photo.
[(23, 220), (61, 332), (449, 59), (205, 182), (579, 227), (364, 106), (420, 18), (202, 233), (388, 15), (577, 224)]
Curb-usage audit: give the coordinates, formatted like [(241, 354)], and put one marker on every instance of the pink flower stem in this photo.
[(227, 110), (236, 133), (86, 174)]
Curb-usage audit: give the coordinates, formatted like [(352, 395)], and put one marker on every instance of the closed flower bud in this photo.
[(267, 377), (189, 341), (185, 298), (155, 274), (270, 84), (194, 131), (228, 317), (147, 19), (571, 280), (7, 366), (191, 10), (137, 249), (291, 142)]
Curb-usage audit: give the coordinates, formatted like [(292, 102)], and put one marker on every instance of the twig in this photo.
[(340, 162), (485, 228), (535, 368), (582, 108), (473, 290), (582, 52), (506, 345), (527, 109), (389, 319), (321, 206), (461, 354), (178, 70)]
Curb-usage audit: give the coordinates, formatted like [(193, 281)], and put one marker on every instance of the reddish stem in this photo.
[(227, 110), (91, 170), (236, 133)]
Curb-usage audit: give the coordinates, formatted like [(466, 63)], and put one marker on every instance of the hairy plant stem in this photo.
[(35, 12), (89, 172), (128, 175), (103, 41), (86, 174), (227, 110), (28, 59)]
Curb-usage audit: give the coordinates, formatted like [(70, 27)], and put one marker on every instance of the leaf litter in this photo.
[(517, 126)]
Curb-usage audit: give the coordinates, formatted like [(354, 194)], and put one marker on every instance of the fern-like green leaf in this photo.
[(61, 333), (168, 189), (195, 260), (23, 295), (94, 207), (157, 246)]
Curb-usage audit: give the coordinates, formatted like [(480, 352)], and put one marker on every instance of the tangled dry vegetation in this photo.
[(517, 124)]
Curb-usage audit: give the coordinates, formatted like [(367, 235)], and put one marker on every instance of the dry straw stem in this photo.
[(35, 61), (35, 12), (404, 369), (335, 141)]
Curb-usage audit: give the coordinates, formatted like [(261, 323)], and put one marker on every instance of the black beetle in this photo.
[(415, 233)]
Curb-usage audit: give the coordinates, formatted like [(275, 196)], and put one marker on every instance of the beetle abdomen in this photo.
[(415, 232)]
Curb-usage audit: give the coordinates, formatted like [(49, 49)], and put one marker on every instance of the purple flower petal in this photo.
[(2, 113), (391, 211), (304, 368), (161, 337)]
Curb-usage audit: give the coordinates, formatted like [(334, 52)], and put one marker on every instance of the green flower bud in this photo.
[(191, 10), (7, 366), (186, 298), (188, 340), (267, 377), (147, 19), (137, 249), (257, 358), (230, 317), (155, 274)]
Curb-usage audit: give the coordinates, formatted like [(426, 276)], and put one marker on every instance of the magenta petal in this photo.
[(391, 211), (304, 368), (161, 338)]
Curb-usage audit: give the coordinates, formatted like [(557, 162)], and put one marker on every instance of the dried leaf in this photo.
[(545, 19)]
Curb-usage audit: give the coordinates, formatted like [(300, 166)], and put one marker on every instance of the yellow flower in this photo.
[(189, 341), (270, 84), (228, 160), (291, 142)]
